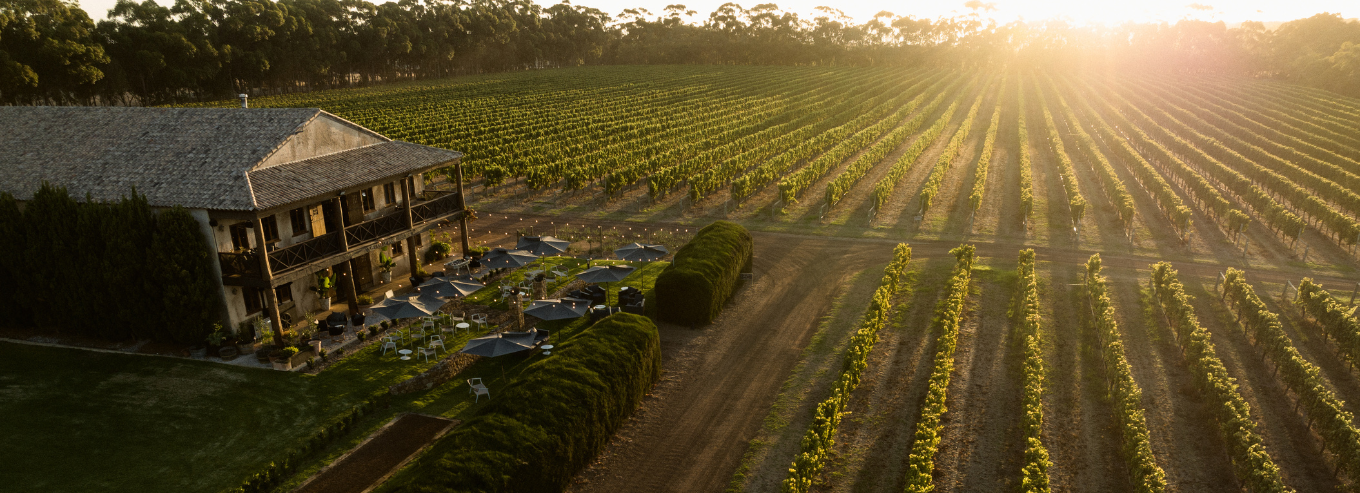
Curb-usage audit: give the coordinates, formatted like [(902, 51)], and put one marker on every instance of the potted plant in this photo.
[(385, 263), (365, 301), (215, 338), (324, 283), (283, 358)]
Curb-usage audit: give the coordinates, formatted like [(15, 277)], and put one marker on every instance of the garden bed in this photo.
[(378, 456)]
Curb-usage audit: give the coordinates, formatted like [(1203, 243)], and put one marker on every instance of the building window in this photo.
[(284, 293), (299, 219), (254, 300), (240, 238), (271, 228), (417, 241), (366, 197), (390, 193), (397, 249)]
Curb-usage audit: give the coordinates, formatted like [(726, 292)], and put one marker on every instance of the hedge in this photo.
[(141, 273), (553, 420), (705, 273)]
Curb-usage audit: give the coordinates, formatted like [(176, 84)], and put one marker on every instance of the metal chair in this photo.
[(389, 342), (427, 352), (437, 341), (479, 319)]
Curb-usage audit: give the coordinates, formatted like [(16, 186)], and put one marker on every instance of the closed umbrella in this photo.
[(541, 245), (450, 287), (501, 258), (637, 252), (558, 309)]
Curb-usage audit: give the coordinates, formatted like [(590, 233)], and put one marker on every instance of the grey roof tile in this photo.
[(195, 157), (298, 180)]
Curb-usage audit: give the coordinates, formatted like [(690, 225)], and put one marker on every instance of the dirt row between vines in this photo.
[(721, 380)]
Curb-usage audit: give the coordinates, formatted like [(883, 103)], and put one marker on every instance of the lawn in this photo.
[(77, 420)]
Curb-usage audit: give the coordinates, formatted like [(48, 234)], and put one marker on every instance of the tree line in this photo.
[(52, 52)]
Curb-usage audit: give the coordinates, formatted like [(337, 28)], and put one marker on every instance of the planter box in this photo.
[(284, 365)]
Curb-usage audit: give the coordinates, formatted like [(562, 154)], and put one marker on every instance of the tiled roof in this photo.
[(298, 180), (195, 157)]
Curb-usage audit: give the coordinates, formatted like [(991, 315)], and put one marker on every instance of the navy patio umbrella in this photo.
[(541, 245), (558, 309), (406, 306), (637, 252), (450, 287), (501, 258), (494, 345)]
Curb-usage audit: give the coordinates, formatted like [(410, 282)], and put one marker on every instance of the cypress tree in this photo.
[(12, 262), (49, 256), (181, 268), (127, 232)]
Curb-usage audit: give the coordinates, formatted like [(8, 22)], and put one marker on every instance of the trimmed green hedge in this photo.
[(537, 433), (704, 275)]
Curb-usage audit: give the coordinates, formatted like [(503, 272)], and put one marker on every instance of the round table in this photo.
[(463, 326), (405, 353), (547, 349)]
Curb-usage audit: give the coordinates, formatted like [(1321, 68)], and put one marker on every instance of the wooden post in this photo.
[(462, 206), (340, 208), (271, 298), (1355, 292), (349, 286)]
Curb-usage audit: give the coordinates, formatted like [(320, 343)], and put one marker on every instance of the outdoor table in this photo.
[(405, 353), (547, 349), (463, 326)]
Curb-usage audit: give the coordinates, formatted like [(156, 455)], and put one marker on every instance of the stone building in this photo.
[(281, 194)]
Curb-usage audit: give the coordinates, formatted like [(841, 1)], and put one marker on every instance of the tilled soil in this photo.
[(982, 445), (721, 380), (691, 433), (378, 456)]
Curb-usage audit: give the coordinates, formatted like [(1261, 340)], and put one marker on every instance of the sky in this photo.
[(1080, 11)]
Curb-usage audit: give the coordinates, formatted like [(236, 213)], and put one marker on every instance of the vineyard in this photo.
[(1196, 165), (996, 353)]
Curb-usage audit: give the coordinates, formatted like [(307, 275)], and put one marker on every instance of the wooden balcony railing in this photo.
[(301, 254), (431, 209), (367, 231), (239, 264), (359, 235)]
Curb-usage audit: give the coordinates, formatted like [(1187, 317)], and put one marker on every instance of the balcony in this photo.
[(286, 259), (239, 264), (358, 236)]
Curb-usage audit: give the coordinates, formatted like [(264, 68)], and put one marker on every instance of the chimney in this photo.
[(243, 100)]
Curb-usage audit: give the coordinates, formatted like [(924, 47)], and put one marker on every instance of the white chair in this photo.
[(437, 341), (475, 387), (389, 342), (427, 352), (479, 319)]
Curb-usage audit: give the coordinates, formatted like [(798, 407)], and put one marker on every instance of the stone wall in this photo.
[(443, 371)]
